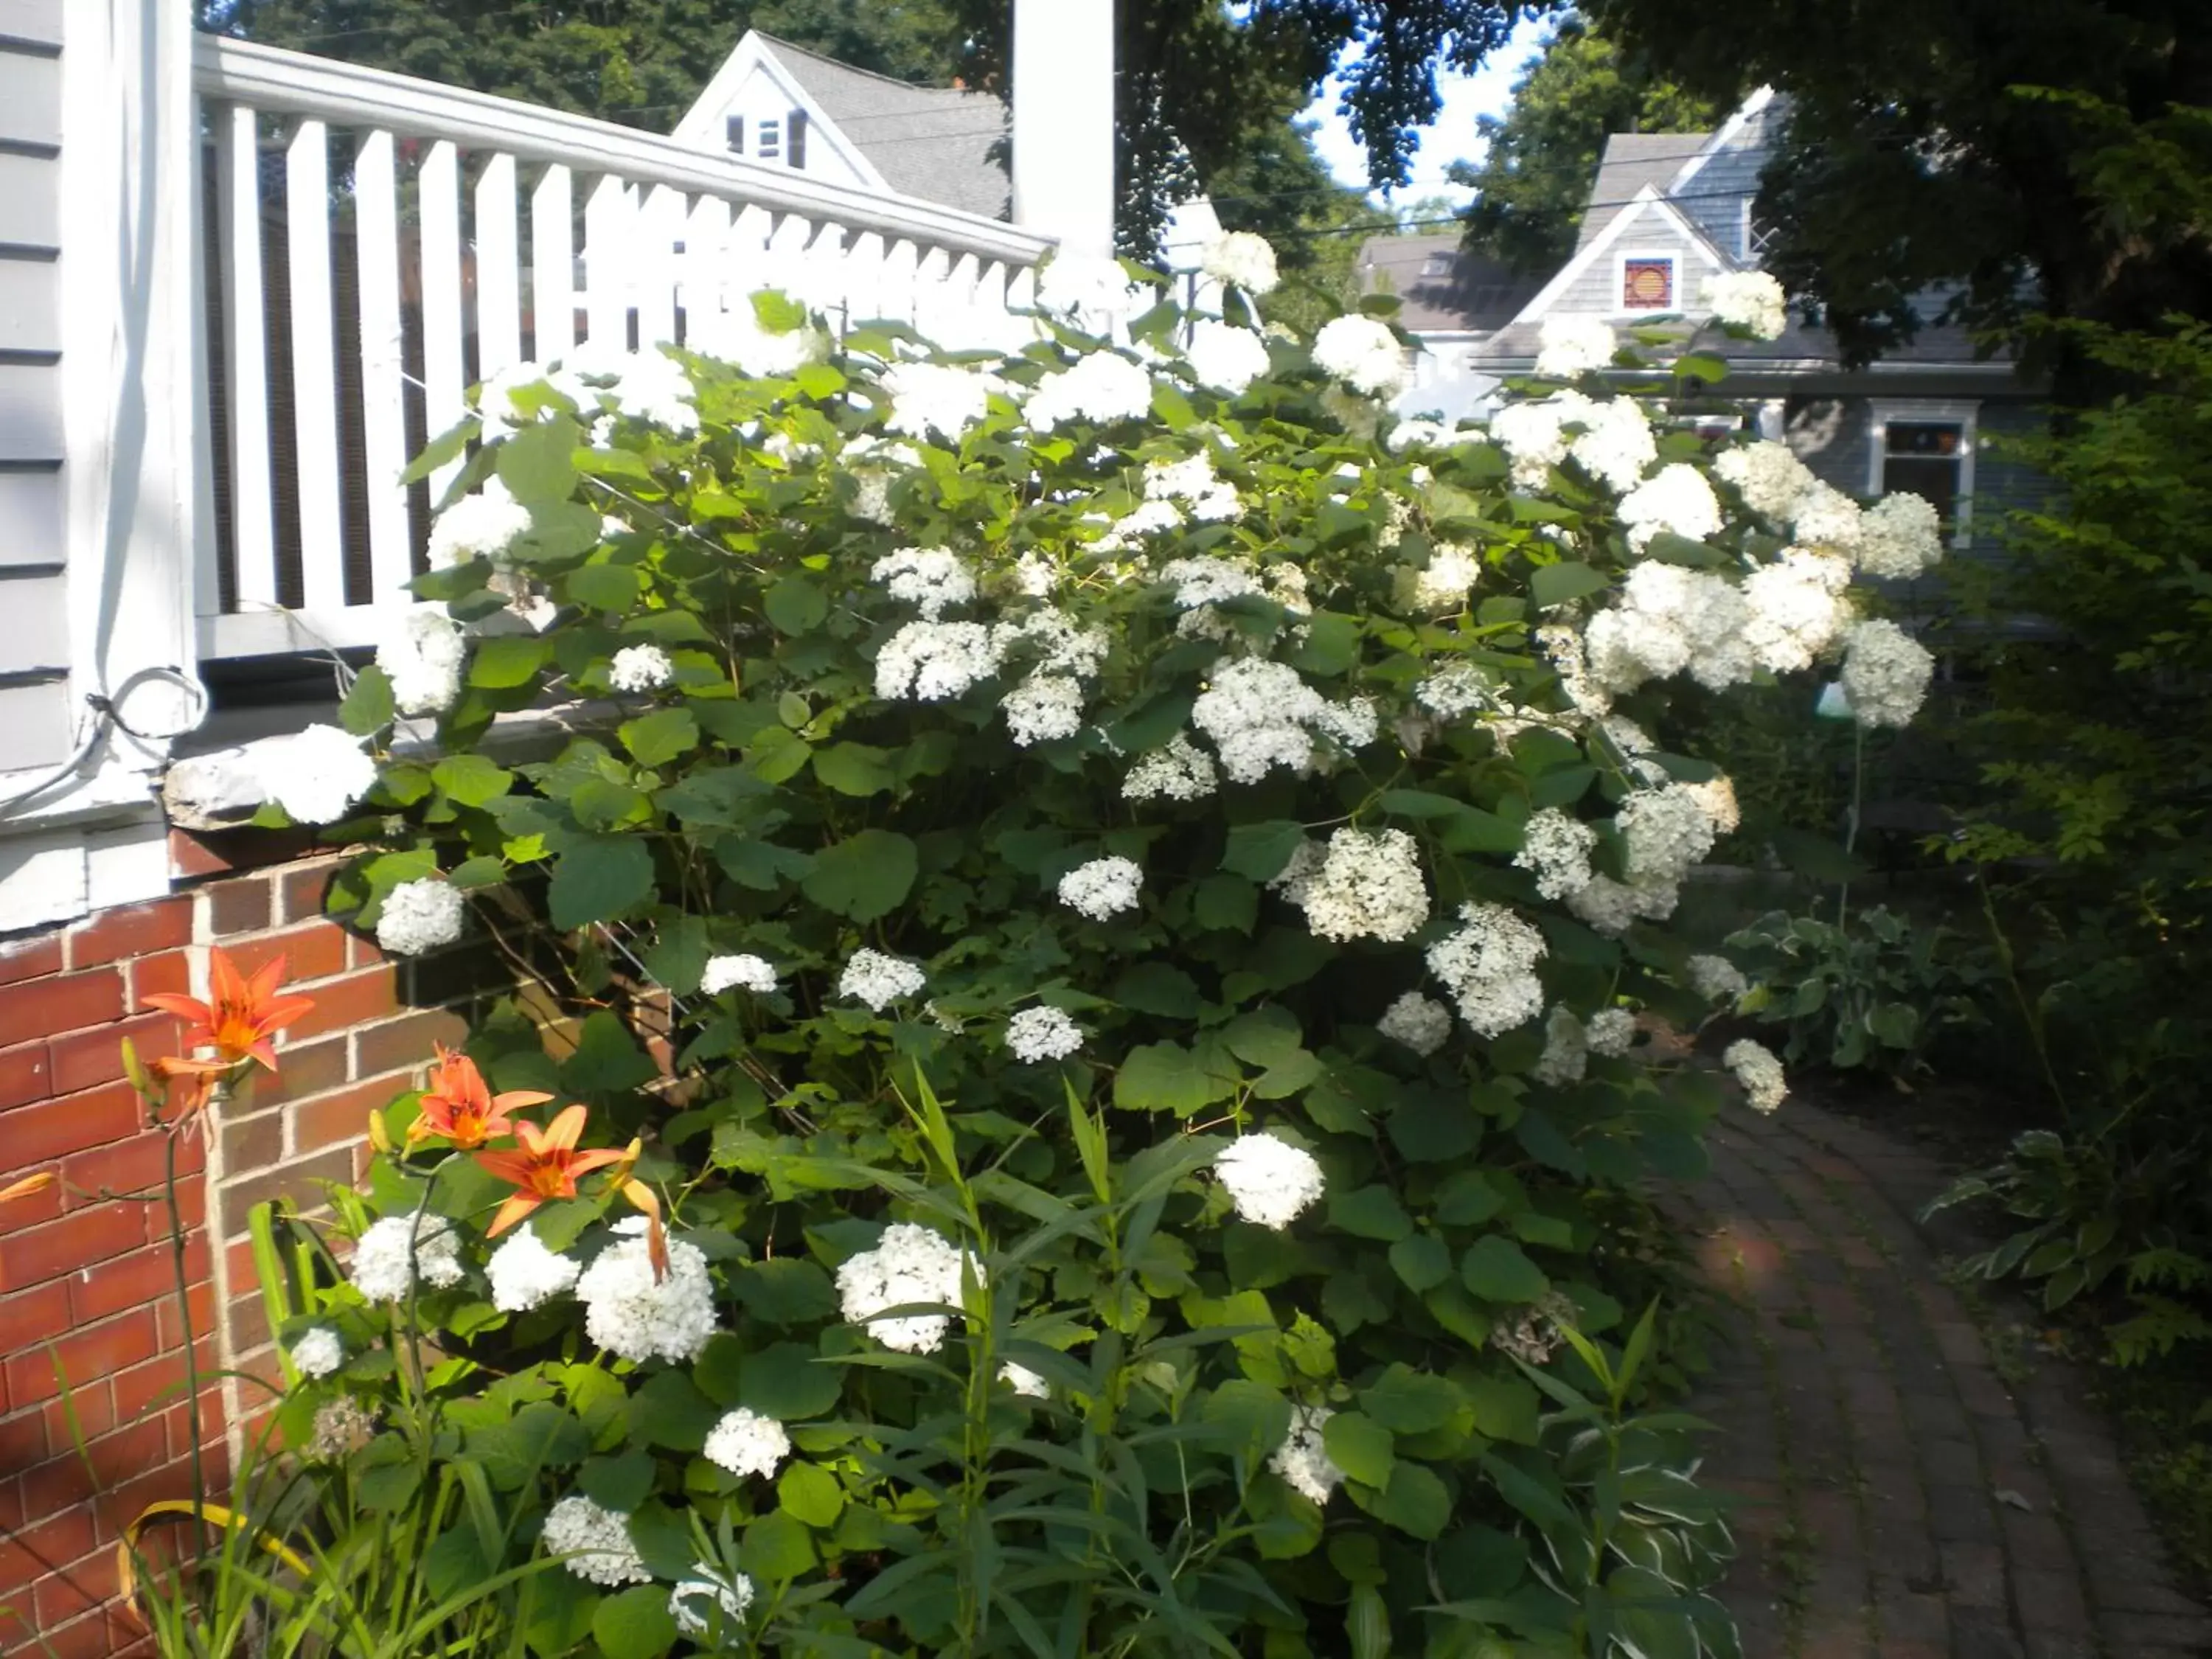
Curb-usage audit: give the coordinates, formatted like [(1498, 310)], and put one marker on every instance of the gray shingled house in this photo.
[(1666, 213)]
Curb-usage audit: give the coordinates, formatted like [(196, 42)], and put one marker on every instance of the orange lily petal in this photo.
[(515, 1099), (27, 1185), (566, 1130), (515, 1208), (184, 1007), (599, 1158), (514, 1167)]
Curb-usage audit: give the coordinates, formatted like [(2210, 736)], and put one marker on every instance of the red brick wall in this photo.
[(95, 1276)]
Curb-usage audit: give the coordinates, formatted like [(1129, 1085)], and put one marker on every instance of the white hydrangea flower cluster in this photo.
[(740, 972), (910, 1265), (1243, 260), (478, 526), (1368, 885), (1612, 443), (1768, 476), (1303, 1459), (640, 668), (1422, 1023), (318, 1352), (1565, 1058), (1749, 300), (1039, 1034), (1177, 770), (1798, 604), (1091, 288), (1899, 537), (688, 1603), (744, 1442), (317, 773), (1134, 528), (1885, 674), (1226, 357), (1104, 887), (937, 397), (1758, 1072), (384, 1267), (1556, 847), (1047, 705), (1211, 498), (1668, 619), (1261, 714), (1452, 572), (1667, 833), (874, 464), (1611, 1032), (633, 1315), (737, 337), (419, 916), (1269, 1181), (1102, 387), (930, 578), (1490, 965), (1716, 978), (1568, 346), (878, 979), (1024, 1382), (1363, 354), (595, 1541), (1824, 516), (931, 661), (524, 1274), (342, 1427), (422, 659), (1675, 500)]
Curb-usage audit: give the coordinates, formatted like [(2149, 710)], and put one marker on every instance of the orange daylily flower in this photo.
[(186, 1084), (241, 1015), (460, 1107), (546, 1167)]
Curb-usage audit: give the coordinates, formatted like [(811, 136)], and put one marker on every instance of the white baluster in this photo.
[(863, 278), (314, 365), (705, 296), (929, 295), (990, 305), (444, 394), (552, 266), (499, 271), (826, 279), (960, 324), (383, 406), (746, 264), (660, 227), (786, 255), (246, 361), (901, 266), (610, 219)]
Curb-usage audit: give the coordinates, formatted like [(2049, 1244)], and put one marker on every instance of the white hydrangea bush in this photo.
[(1154, 879)]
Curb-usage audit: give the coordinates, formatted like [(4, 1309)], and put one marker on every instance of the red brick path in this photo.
[(1904, 1500)]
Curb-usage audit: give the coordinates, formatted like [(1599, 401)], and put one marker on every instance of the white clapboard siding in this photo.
[(553, 266), (245, 359), (499, 269), (444, 376), (383, 367), (314, 365)]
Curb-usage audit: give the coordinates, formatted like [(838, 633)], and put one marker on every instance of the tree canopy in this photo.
[(1539, 156)]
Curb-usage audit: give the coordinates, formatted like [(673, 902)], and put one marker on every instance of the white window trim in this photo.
[(1965, 413), (1673, 256)]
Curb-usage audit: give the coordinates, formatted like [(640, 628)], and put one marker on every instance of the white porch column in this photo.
[(1063, 76)]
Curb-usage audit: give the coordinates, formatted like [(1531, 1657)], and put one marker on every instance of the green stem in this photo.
[(184, 1309), (1851, 823)]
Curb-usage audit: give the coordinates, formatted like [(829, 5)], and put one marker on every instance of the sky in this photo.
[(1451, 138)]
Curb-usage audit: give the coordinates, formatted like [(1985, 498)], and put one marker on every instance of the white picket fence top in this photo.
[(325, 373)]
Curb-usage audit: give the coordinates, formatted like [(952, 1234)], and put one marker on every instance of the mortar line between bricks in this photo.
[(1910, 1283)]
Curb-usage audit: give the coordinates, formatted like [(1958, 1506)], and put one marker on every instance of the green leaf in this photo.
[(1154, 987), (535, 464), (812, 1493), (865, 877), (1225, 903), (1416, 1501), (853, 768), (671, 1412), (368, 707), (677, 956), (597, 879), (506, 661), (658, 737), (1361, 1447), (1408, 1402), (1260, 850), (620, 1483), (540, 1436), (786, 1382), (718, 1371), (785, 1290), (1564, 582), (1369, 1212), (1422, 1261), (1505, 1407), (795, 605), (1166, 1077), (606, 586), (1496, 1269), (635, 1624), (776, 1548), (470, 780)]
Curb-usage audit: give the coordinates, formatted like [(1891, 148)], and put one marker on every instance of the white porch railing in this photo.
[(367, 260)]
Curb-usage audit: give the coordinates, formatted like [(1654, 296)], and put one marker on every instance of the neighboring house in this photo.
[(1669, 211), (1451, 301)]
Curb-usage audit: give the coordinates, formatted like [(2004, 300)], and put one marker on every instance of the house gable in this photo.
[(756, 87), (1618, 273), (1717, 186)]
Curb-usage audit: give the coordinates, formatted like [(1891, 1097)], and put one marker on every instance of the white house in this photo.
[(239, 286)]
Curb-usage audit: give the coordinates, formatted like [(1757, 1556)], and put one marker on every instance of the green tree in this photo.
[(1967, 145), (1540, 157)]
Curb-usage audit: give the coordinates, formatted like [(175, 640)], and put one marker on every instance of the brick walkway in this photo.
[(1906, 1497)]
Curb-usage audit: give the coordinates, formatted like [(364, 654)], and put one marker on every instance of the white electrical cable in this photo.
[(103, 710)]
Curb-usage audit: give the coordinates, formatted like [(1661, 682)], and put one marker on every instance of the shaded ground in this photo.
[(1906, 1497)]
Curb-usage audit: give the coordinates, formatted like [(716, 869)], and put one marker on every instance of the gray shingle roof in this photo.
[(1632, 161), (1934, 343), (1469, 295), (936, 142)]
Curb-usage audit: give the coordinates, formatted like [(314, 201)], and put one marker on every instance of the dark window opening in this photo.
[(734, 130), (795, 143), (1927, 458)]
